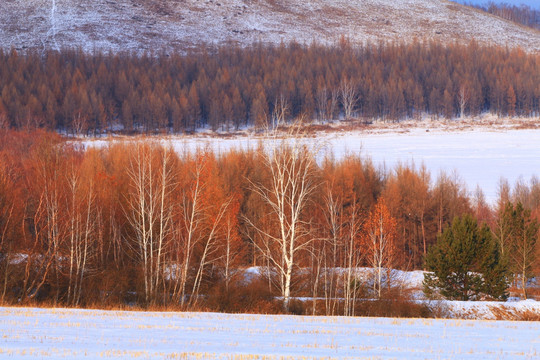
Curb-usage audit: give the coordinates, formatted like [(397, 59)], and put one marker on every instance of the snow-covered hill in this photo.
[(150, 25)]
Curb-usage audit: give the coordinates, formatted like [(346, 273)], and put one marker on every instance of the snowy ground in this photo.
[(152, 25), (479, 153), (77, 334)]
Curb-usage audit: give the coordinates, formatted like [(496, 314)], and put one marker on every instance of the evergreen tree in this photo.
[(465, 263)]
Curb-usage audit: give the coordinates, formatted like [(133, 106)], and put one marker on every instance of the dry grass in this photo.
[(505, 313), (502, 312)]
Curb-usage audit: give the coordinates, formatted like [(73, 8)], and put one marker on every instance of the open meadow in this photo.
[(28, 333)]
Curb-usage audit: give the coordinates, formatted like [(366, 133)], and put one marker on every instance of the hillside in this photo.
[(149, 25)]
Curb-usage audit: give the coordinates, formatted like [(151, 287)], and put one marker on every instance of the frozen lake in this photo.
[(480, 156)]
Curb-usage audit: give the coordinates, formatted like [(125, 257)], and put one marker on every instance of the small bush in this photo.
[(297, 307), (393, 303), (246, 297), (393, 308)]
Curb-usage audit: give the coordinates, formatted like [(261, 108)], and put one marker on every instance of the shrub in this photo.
[(246, 297), (393, 303)]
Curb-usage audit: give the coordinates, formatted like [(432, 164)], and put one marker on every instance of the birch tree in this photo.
[(353, 257), (185, 234), (463, 99), (349, 97), (148, 211), (380, 233), (321, 100), (81, 242), (334, 228), (344, 230), (281, 111), (291, 166), (215, 207)]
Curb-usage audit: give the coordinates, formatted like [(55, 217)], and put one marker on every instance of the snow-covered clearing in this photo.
[(60, 333), (478, 154)]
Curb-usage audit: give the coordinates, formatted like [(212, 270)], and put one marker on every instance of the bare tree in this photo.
[(149, 212), (349, 97), (209, 247), (334, 224), (82, 230), (232, 252), (522, 249), (79, 124), (38, 262), (281, 111), (321, 99), (190, 220), (291, 166), (344, 228), (353, 258), (464, 96), (316, 262), (333, 103)]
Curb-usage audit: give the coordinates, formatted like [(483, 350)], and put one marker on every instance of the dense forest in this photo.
[(229, 87), (137, 223), (522, 14)]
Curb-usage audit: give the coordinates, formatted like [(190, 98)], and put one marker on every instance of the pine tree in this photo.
[(465, 263)]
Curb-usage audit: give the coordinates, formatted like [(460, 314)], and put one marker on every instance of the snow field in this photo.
[(28, 333)]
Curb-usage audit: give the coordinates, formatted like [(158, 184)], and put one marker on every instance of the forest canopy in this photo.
[(230, 87)]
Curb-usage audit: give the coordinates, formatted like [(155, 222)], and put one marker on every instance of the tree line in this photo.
[(522, 14), (138, 222), (229, 87)]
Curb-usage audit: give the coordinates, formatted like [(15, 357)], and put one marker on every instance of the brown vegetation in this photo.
[(137, 223), (230, 87)]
